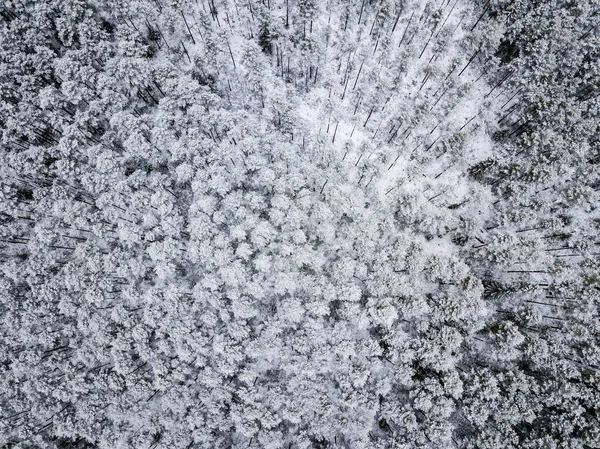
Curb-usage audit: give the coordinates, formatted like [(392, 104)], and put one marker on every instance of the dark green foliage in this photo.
[(507, 51), (265, 39)]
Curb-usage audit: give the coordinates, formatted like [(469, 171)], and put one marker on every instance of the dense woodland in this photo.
[(299, 224)]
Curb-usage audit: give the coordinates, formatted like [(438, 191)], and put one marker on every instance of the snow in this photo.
[(236, 224)]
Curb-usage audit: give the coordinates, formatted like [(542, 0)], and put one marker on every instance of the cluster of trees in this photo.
[(299, 224), (538, 257)]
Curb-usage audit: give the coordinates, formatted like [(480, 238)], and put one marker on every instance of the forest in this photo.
[(299, 224)]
